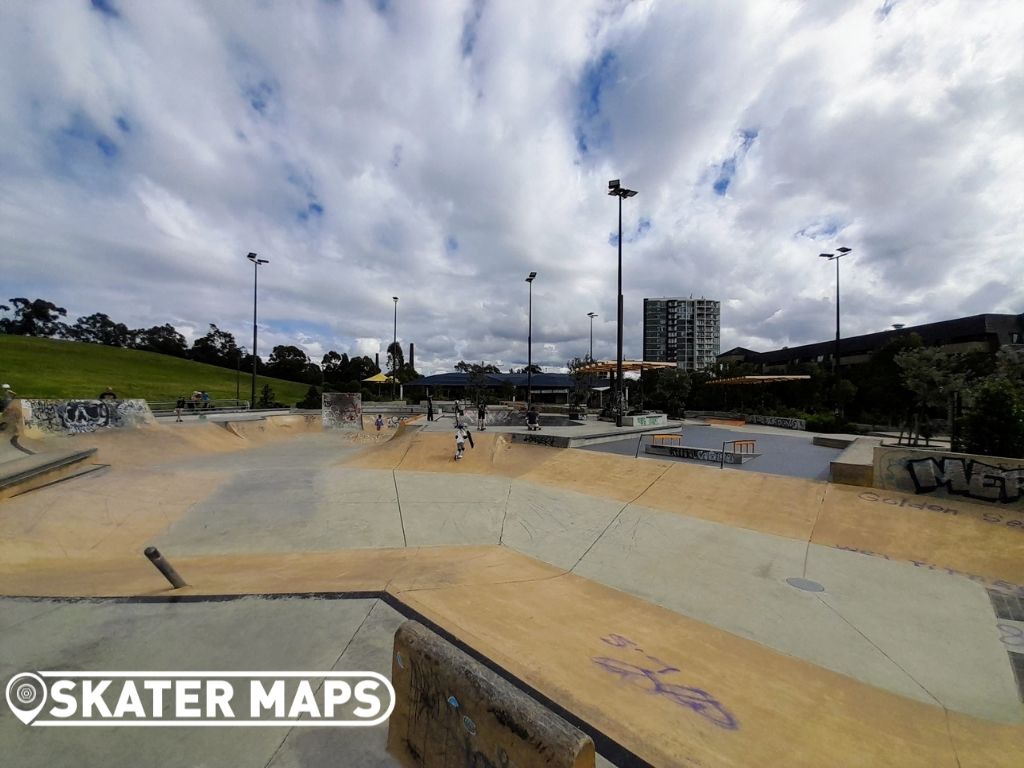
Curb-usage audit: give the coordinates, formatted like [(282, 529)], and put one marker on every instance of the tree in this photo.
[(932, 375), (581, 381), (33, 317), (97, 328), (396, 359), (217, 347), (287, 362), (994, 424), (671, 388), (480, 367), (266, 397), (312, 399), (163, 339)]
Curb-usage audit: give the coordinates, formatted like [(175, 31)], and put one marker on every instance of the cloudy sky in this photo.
[(439, 151)]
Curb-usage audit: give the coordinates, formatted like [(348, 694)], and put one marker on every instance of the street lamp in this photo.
[(840, 252), (617, 190), (255, 272), (591, 315), (394, 350), (529, 345)]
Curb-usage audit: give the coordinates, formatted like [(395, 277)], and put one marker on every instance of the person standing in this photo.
[(178, 407), (7, 396), (460, 440), (430, 408), (481, 415), (378, 422)]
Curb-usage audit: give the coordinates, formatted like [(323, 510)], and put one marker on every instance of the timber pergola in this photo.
[(608, 366), (759, 379)]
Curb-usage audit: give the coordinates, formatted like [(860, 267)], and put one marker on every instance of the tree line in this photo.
[(337, 372)]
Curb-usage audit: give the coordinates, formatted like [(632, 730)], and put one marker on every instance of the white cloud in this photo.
[(432, 151)]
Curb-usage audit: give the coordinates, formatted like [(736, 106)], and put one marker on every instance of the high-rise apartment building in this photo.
[(682, 331)]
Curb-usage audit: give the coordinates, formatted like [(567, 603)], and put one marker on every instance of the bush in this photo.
[(829, 423)]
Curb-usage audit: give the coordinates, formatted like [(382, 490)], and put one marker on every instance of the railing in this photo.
[(738, 446), (227, 405)]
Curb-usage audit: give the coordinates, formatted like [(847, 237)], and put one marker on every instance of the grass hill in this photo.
[(49, 368)]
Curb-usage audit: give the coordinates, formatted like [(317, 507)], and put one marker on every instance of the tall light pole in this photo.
[(617, 190), (591, 315), (255, 277), (840, 252), (394, 350), (529, 345)]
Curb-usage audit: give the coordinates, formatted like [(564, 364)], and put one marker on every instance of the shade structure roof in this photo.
[(608, 366), (759, 379), (460, 379), (378, 378)]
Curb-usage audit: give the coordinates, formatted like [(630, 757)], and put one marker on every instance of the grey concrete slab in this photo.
[(936, 626), (428, 486), (447, 523), (248, 634), (791, 454), (553, 525), (451, 509), (735, 579), (370, 649)]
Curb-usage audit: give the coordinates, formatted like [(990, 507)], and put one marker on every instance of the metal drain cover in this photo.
[(805, 584)]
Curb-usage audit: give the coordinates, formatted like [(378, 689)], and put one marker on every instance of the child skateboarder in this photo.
[(460, 441), (533, 419), (481, 415)]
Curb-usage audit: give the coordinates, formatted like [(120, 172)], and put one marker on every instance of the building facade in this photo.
[(686, 332), (988, 333)]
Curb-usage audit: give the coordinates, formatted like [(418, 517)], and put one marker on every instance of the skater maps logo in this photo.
[(321, 699)]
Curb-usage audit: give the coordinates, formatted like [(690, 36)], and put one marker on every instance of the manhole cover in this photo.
[(805, 584)]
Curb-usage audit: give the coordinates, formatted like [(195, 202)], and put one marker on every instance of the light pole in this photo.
[(255, 277), (529, 345), (617, 190), (591, 315), (840, 252), (394, 350)]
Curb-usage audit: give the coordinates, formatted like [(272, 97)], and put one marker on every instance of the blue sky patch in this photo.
[(106, 8), (313, 211), (727, 170), (592, 128), (821, 229), (80, 143), (451, 244), (469, 27), (259, 95), (123, 124), (643, 226)]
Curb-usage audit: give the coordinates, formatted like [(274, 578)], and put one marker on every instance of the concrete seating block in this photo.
[(450, 710)]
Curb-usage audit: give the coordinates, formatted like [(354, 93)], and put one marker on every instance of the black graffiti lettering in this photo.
[(966, 477)]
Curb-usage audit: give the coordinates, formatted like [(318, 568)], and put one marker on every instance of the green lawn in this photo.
[(48, 368)]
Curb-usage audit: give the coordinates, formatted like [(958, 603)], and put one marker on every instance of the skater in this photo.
[(430, 408), (533, 419), (178, 408), (481, 415), (378, 422), (460, 440), (458, 410)]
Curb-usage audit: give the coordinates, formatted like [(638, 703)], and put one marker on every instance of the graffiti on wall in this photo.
[(699, 454), (342, 410), (978, 478), (776, 421), (967, 477), (75, 417)]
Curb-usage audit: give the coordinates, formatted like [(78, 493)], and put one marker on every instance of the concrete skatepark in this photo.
[(646, 599)]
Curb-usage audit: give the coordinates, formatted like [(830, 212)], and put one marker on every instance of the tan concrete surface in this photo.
[(693, 546)]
